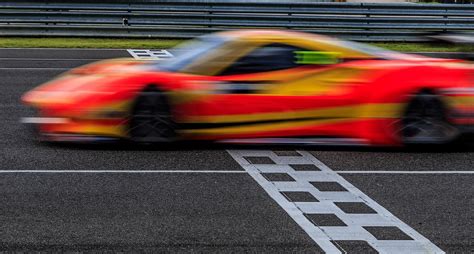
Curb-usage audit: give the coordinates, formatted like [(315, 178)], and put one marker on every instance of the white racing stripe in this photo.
[(325, 219)]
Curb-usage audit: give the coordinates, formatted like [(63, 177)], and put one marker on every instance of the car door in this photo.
[(273, 91)]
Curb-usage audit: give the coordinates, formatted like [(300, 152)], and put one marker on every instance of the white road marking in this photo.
[(32, 68), (402, 172), (324, 235), (147, 54), (49, 59), (227, 171), (125, 171), (300, 141)]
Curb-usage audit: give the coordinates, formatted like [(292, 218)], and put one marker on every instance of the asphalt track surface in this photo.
[(203, 200)]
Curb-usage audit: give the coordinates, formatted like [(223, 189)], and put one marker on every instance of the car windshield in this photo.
[(186, 52)]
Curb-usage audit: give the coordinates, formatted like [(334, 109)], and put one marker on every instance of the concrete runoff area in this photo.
[(190, 206)]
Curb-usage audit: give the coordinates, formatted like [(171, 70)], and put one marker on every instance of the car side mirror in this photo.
[(317, 57)]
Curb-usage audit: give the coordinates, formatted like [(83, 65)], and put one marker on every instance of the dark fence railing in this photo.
[(184, 19)]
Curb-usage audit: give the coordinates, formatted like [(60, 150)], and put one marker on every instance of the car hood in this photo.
[(119, 65), (86, 81), (80, 82)]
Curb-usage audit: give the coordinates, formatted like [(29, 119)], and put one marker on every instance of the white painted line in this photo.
[(420, 172), (50, 59), (325, 235), (29, 68), (301, 141), (125, 171)]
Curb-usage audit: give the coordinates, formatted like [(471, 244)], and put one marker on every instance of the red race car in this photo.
[(255, 86)]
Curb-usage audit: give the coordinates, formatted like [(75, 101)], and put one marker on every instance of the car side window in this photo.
[(270, 57)]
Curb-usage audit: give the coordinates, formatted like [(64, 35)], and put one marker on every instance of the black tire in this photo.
[(425, 122), (151, 120)]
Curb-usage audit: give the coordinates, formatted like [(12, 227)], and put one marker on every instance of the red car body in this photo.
[(334, 91)]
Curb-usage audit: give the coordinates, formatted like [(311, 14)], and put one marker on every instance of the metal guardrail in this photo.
[(184, 19)]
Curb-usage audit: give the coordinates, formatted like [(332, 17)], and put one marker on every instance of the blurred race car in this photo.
[(255, 86)]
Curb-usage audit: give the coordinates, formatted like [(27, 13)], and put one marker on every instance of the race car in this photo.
[(262, 86)]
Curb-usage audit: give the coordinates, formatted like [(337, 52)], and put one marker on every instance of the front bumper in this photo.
[(60, 129), (44, 120)]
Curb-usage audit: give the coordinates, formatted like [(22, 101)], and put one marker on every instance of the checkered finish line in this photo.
[(146, 54), (334, 213)]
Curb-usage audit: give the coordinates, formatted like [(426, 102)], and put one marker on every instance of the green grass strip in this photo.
[(56, 42), (63, 42)]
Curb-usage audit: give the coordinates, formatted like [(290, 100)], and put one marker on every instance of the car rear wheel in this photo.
[(151, 120), (425, 122)]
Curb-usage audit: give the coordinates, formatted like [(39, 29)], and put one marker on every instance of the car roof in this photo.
[(314, 41), (246, 33)]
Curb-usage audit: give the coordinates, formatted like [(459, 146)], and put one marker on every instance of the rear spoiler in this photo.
[(457, 38), (453, 38)]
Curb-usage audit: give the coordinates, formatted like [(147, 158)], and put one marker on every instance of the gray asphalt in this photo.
[(192, 212)]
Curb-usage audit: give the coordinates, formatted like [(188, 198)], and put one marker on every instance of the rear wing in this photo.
[(458, 38)]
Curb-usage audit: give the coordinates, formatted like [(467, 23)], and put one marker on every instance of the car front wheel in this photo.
[(151, 120)]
